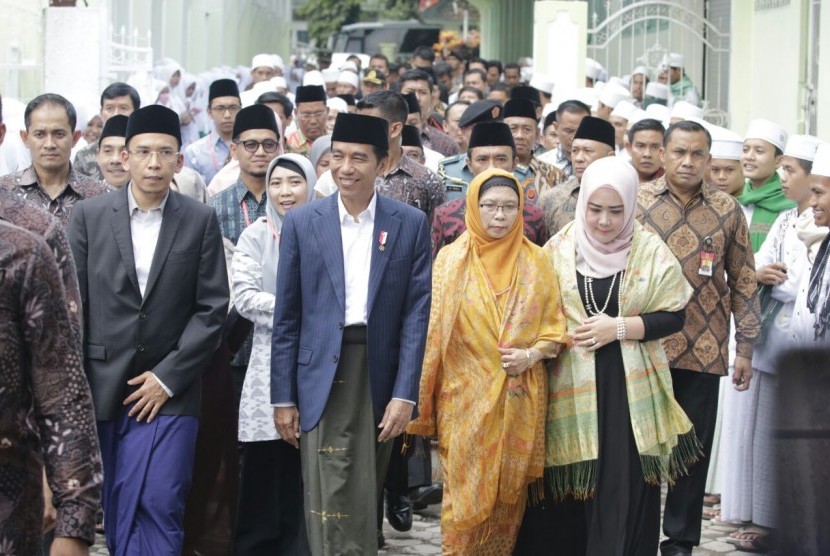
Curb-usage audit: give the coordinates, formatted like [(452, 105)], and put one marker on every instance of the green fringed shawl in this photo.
[(663, 433), (767, 201)]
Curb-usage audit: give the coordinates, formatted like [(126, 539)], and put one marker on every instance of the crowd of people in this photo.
[(241, 314)]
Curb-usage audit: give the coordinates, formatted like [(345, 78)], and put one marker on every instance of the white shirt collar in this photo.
[(368, 214), (133, 204)]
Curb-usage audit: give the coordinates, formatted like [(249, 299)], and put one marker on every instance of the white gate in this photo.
[(629, 33)]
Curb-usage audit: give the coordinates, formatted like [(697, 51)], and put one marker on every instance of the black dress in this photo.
[(623, 517)]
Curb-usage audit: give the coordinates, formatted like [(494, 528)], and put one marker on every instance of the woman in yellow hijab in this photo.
[(496, 315)]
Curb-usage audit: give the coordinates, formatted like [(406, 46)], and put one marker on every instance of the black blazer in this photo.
[(175, 328)]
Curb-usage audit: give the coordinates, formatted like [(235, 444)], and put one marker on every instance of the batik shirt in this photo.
[(86, 162), (78, 188), (449, 223), (46, 414), (437, 140), (710, 221), (414, 185), (559, 205)]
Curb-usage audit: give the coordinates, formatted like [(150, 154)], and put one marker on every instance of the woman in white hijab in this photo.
[(270, 512)]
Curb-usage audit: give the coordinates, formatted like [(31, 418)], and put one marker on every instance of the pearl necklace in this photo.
[(593, 308)]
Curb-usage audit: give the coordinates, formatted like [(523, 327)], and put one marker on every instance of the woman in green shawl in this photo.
[(614, 430)]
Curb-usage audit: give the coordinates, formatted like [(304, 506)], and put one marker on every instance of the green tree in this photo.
[(327, 16)]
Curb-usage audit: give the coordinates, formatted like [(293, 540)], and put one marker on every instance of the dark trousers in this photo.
[(697, 394), (270, 517)]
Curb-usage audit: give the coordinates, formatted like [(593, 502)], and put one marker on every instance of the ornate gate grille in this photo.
[(628, 33)]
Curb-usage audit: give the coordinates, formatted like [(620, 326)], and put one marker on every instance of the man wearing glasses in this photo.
[(154, 292), (311, 118), (255, 145), (210, 153)]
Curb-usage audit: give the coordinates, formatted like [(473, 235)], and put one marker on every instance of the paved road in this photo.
[(425, 538)]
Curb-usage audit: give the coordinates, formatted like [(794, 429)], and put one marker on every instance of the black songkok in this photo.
[(412, 103), (116, 126), (520, 108), (411, 137), (223, 88), (525, 92), (256, 116), (310, 93), (491, 134), (154, 118), (596, 129), (360, 128)]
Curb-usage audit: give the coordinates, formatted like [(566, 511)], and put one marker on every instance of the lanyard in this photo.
[(216, 165), (272, 229), (245, 212)]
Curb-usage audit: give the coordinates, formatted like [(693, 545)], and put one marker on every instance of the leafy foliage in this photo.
[(325, 17)]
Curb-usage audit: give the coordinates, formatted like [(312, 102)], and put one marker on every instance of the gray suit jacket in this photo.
[(176, 327)]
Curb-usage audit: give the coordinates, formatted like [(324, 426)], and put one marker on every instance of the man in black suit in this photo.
[(154, 290)]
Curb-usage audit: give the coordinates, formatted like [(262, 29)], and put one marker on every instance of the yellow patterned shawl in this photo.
[(490, 426), (664, 435)]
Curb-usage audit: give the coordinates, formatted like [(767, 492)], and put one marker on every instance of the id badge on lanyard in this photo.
[(707, 257)]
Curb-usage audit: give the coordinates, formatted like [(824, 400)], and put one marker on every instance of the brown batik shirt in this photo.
[(713, 218), (78, 187), (413, 184), (46, 414), (559, 204), (437, 140)]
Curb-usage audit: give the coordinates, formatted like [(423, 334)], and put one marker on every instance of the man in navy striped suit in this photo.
[(350, 323)]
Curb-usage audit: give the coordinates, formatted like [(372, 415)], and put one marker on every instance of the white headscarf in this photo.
[(594, 258), (270, 227)]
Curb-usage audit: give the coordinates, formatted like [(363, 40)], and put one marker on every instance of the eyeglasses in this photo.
[(222, 108), (269, 145), (311, 115), (167, 155), (493, 208)]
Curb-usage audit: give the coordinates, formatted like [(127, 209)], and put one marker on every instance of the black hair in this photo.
[(494, 64), (481, 73), (470, 88), (424, 53), (778, 151), (275, 97), (646, 124), (416, 75), (391, 104), (456, 103), (806, 165), (441, 68), (379, 56), (513, 65), (572, 107), (481, 61), (50, 98), (689, 127), (116, 90), (501, 86)]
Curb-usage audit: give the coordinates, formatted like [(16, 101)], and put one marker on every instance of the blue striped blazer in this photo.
[(311, 303)]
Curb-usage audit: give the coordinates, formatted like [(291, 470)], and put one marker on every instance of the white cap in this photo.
[(279, 82), (726, 144), (330, 75), (526, 73), (639, 70), (262, 61), (685, 110), (802, 147), (349, 78), (658, 112), (542, 82), (588, 95), (674, 60), (637, 116), (617, 81), (276, 59), (338, 104), (769, 131), (657, 90), (593, 69), (313, 77), (248, 98), (624, 109), (612, 94), (821, 165), (349, 66)]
